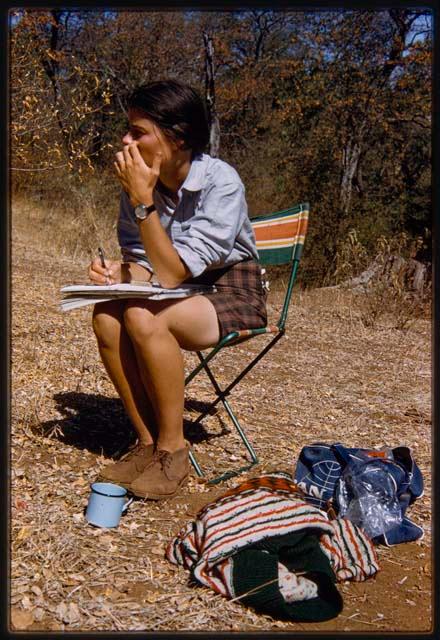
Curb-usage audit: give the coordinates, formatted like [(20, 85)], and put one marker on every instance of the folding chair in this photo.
[(280, 238)]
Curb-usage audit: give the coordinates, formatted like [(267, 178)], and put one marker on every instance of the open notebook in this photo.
[(79, 295)]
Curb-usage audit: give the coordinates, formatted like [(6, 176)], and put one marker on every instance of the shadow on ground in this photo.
[(100, 425)]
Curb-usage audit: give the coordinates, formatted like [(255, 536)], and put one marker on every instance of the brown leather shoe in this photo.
[(129, 467), (164, 476)]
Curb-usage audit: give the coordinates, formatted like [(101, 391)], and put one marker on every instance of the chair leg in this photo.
[(232, 473), (195, 464), (221, 395), (232, 384), (227, 406)]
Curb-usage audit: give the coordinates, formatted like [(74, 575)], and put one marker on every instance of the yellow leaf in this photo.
[(153, 597), (25, 532)]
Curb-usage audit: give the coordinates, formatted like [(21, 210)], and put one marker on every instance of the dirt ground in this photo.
[(330, 379)]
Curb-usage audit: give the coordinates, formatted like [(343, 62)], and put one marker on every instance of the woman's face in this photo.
[(149, 137)]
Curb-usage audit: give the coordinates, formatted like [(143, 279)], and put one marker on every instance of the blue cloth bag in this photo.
[(320, 467)]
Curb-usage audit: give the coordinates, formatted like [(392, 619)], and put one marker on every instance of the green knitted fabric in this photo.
[(258, 564)]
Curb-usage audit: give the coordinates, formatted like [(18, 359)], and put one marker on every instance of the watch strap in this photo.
[(150, 209)]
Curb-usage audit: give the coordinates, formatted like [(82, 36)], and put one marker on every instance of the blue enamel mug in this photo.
[(106, 504)]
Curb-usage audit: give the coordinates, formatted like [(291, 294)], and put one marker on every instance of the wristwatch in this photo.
[(142, 211)]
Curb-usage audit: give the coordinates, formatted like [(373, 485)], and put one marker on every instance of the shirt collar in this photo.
[(195, 179)]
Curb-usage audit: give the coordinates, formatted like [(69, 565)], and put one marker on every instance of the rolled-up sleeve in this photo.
[(208, 237)]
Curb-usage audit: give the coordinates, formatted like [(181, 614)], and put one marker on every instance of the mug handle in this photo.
[(127, 504)]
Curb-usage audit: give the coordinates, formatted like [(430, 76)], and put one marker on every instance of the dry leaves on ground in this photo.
[(330, 379)]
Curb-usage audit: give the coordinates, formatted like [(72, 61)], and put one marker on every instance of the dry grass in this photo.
[(331, 379)]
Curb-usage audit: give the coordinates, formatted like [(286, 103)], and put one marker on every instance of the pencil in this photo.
[(101, 255)]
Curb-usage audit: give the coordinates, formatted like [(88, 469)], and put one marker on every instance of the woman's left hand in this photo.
[(135, 176)]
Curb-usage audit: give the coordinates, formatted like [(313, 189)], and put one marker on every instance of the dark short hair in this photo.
[(176, 108)]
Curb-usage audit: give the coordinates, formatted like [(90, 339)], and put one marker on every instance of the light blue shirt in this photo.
[(209, 226)]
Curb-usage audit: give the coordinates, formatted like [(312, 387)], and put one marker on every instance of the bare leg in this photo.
[(160, 364), (157, 331), (119, 359)]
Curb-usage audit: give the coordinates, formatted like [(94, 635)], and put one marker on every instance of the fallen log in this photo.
[(413, 275)]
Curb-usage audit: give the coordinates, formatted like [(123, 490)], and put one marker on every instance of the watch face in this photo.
[(141, 212)]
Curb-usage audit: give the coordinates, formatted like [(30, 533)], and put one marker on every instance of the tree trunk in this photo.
[(350, 171), (51, 66), (214, 125), (350, 163)]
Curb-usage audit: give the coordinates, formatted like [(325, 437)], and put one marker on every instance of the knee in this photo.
[(141, 325), (106, 327)]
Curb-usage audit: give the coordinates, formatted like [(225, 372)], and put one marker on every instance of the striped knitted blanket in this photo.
[(270, 505)]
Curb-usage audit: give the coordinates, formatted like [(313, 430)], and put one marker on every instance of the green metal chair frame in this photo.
[(280, 239)]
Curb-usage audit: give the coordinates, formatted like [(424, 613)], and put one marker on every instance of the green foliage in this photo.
[(328, 107), (351, 257)]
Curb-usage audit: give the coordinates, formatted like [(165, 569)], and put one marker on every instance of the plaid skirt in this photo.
[(240, 299)]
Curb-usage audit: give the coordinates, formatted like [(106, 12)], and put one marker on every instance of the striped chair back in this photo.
[(280, 239), (280, 236)]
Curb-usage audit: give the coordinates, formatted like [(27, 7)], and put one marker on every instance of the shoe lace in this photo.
[(163, 457), (134, 451)]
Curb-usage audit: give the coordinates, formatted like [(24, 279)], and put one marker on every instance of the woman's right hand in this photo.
[(110, 274)]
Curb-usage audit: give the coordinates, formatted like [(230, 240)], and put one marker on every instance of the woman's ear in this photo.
[(177, 137), (180, 144)]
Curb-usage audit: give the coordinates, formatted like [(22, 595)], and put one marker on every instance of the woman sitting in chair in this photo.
[(183, 219)]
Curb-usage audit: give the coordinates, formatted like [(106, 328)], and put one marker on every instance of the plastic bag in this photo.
[(366, 495), (318, 473)]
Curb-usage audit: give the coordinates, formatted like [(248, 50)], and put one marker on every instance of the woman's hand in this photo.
[(135, 176), (110, 274)]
